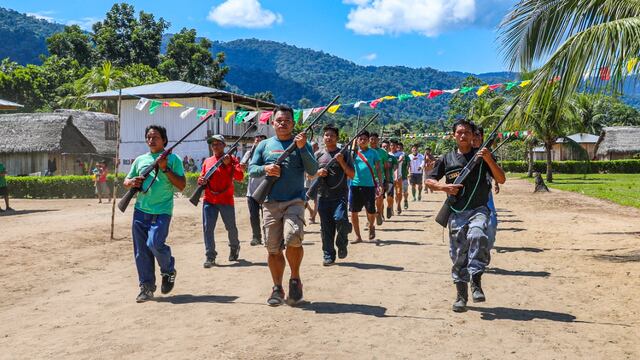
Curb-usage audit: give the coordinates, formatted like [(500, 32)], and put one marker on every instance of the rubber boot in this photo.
[(461, 300), (476, 288)]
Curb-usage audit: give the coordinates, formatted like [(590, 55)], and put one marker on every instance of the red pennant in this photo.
[(434, 93), (165, 104), (375, 103), (210, 112), (517, 134), (317, 110), (605, 74), (495, 86), (265, 116), (499, 135)]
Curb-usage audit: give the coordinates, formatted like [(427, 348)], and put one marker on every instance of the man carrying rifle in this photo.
[(254, 207), (218, 199), (153, 210), (332, 196), (469, 219), (284, 206), (364, 186)]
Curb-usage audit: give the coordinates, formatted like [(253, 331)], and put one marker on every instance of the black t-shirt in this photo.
[(450, 165), (334, 186)]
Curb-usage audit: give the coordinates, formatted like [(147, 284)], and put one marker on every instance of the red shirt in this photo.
[(219, 190)]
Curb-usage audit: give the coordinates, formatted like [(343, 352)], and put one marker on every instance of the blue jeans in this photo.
[(210, 218), (493, 222), (333, 219), (149, 236)]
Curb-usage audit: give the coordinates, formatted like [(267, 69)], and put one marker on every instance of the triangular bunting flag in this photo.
[(210, 112), (186, 112), (305, 114), (375, 103), (240, 116), (228, 116), (631, 64), (482, 90), (201, 112), (333, 109), (358, 103), (317, 109), (525, 83), (434, 93), (265, 116), (605, 74), (495, 86), (417, 93), (297, 116), (175, 104), (510, 85), (165, 104), (403, 97), (388, 97), (154, 106), (141, 103), (465, 90), (452, 91), (250, 116)]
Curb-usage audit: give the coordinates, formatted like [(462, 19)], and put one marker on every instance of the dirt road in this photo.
[(564, 282)]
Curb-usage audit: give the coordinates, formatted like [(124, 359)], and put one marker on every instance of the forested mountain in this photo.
[(23, 38)]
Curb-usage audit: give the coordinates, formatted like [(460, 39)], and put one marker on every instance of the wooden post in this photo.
[(116, 163)]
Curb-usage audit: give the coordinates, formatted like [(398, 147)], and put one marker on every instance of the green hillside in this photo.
[(23, 37)]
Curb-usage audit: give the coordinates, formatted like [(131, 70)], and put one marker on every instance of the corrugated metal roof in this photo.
[(6, 104), (180, 89), (581, 138)]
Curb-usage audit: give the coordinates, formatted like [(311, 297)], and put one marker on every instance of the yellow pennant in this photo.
[(175, 104), (228, 117), (525, 83), (417, 93), (333, 109), (389, 97), (631, 64), (482, 90)]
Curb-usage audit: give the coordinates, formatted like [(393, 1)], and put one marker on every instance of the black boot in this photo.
[(461, 300), (476, 288)]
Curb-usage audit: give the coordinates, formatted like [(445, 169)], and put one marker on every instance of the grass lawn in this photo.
[(623, 189)]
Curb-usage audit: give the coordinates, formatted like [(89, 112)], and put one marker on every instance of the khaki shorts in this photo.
[(283, 224)]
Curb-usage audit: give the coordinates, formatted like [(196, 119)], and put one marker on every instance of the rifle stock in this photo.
[(126, 199), (442, 218), (264, 188)]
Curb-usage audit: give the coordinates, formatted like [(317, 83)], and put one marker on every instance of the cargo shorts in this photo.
[(283, 224)]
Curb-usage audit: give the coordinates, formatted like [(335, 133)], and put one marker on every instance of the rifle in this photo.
[(126, 199), (443, 215), (249, 155), (264, 188), (344, 150), (195, 197)]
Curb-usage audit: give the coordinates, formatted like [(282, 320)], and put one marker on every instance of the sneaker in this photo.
[(342, 252), (295, 292), (256, 242), (168, 280), (146, 294), (277, 296), (328, 262), (234, 253), (372, 233), (406, 204), (379, 219), (209, 262), (389, 213)]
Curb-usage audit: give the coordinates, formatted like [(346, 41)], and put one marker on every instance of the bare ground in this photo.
[(563, 283)]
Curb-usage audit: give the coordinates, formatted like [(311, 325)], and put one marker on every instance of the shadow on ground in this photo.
[(365, 266), (25, 212), (397, 242), (507, 249), (502, 313), (190, 299), (241, 263), (498, 271)]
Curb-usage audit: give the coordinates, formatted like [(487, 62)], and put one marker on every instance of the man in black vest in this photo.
[(469, 219)]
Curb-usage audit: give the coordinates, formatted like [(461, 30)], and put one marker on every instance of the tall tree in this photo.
[(122, 39), (72, 43), (191, 61)]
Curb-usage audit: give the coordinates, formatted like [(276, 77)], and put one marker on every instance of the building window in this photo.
[(110, 132)]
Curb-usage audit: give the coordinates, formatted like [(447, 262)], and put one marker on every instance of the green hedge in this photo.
[(81, 187), (631, 166)]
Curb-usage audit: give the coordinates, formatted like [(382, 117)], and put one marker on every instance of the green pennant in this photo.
[(201, 112), (465, 90), (297, 115), (403, 97), (510, 85), (154, 106), (240, 116)]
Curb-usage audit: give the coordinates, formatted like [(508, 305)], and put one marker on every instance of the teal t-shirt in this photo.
[(159, 198), (363, 174), (3, 181), (383, 159)]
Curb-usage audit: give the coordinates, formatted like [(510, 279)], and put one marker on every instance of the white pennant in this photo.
[(452, 91), (357, 104), (305, 114), (186, 112), (250, 116), (142, 103)]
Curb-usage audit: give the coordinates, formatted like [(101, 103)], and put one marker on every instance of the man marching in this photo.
[(469, 220), (383, 156), (254, 208), (416, 165), (218, 200), (284, 207), (389, 169), (332, 196), (153, 210)]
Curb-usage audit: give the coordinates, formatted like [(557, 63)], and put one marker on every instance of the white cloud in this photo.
[(43, 15), (85, 23), (370, 57), (426, 17), (243, 13)]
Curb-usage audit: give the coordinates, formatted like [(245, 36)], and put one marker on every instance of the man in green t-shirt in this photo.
[(4, 192), (383, 157), (153, 210)]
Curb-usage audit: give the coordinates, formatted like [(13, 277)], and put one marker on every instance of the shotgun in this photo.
[(344, 150), (195, 197), (126, 199), (264, 188), (443, 215)]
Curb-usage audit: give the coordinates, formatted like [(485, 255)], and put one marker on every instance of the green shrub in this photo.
[(630, 166), (82, 187)]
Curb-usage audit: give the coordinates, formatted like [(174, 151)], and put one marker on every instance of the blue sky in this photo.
[(446, 35)]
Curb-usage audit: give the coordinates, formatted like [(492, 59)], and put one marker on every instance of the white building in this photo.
[(133, 122)]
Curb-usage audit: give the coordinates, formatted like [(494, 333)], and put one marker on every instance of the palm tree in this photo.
[(486, 112), (583, 44), (98, 79)]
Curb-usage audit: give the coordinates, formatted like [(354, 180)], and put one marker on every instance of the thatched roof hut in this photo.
[(98, 127), (618, 142)]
